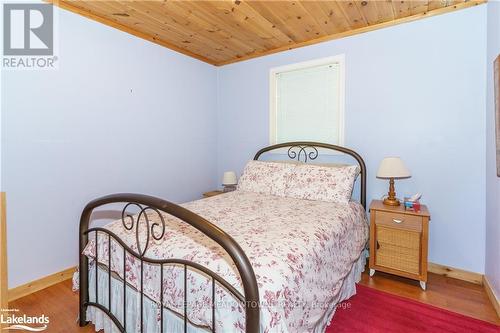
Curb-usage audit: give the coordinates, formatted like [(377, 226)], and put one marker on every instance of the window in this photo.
[(307, 102)]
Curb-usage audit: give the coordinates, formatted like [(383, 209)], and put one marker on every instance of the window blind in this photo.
[(308, 104)]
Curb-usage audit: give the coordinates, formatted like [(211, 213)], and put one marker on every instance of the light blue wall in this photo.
[(492, 269), (120, 115), (415, 90)]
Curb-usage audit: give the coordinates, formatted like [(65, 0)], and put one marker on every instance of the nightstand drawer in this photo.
[(403, 221)]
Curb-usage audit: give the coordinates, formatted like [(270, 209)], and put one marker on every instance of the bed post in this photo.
[(84, 266)]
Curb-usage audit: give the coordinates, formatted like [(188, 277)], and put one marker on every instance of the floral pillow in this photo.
[(314, 182), (266, 177)]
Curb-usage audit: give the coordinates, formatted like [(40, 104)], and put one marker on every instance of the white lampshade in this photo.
[(229, 178), (393, 167)]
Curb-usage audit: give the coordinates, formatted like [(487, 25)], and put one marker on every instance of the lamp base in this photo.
[(391, 199), (391, 202), (228, 188)]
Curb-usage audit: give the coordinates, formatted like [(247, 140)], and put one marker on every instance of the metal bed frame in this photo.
[(300, 151)]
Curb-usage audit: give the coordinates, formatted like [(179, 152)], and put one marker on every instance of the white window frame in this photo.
[(273, 107)]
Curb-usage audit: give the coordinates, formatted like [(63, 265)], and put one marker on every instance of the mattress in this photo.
[(301, 251)]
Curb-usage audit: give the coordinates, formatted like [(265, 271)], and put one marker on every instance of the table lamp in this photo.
[(392, 168), (229, 181)]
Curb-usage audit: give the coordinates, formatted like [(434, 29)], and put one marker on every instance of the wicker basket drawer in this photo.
[(402, 259), (398, 237), (398, 249), (403, 221)]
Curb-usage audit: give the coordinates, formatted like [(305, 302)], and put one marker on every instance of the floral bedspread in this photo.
[(300, 250)]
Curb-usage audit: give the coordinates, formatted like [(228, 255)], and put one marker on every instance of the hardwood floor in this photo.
[(60, 304), (455, 295)]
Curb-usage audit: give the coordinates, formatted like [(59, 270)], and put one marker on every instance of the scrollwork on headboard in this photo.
[(295, 152), (303, 151)]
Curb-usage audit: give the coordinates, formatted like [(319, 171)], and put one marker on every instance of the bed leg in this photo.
[(83, 266), (84, 285), (82, 318), (83, 322)]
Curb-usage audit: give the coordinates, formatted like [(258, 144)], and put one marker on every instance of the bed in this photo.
[(264, 262)]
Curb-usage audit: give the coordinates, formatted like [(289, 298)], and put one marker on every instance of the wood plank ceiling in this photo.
[(222, 32)]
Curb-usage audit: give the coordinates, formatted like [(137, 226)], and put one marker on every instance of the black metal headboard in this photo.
[(309, 151)]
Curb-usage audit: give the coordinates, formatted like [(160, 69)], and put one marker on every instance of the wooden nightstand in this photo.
[(398, 241), (212, 193)]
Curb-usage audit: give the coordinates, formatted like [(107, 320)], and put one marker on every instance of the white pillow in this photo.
[(266, 177), (314, 182)]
